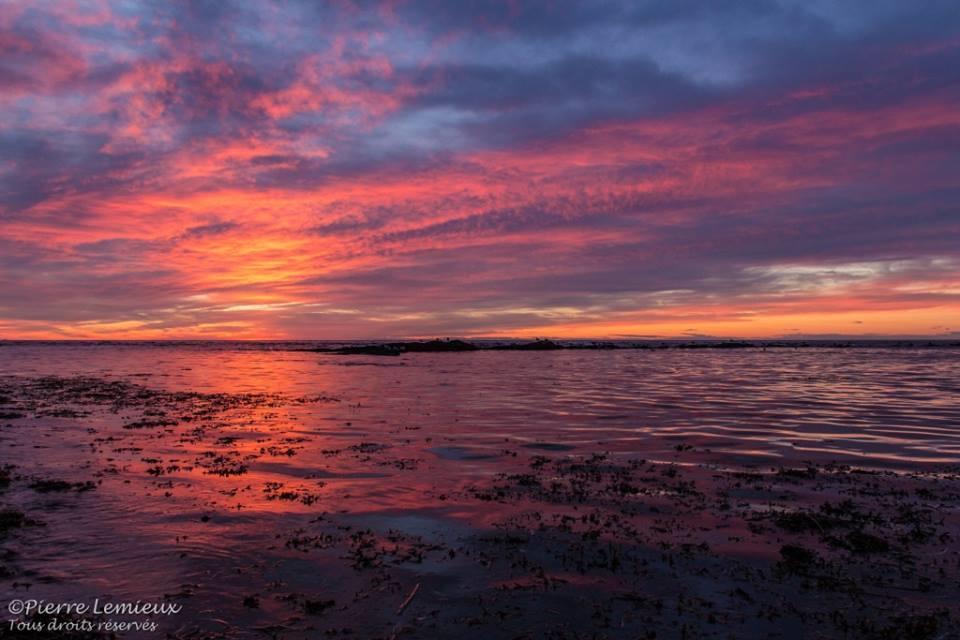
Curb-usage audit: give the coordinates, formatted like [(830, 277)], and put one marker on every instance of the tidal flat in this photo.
[(274, 492)]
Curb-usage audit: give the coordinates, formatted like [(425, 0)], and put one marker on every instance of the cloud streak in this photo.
[(294, 170)]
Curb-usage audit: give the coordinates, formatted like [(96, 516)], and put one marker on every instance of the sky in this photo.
[(297, 170)]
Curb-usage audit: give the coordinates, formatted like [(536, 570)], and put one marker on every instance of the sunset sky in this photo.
[(296, 169)]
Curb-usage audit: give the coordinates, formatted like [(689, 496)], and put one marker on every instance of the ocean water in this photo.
[(883, 407), (211, 464)]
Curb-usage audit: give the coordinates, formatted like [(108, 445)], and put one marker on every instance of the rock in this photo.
[(433, 346)]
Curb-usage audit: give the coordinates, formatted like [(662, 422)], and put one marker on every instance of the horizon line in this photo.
[(788, 338)]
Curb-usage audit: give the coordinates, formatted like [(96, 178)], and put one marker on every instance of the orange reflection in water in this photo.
[(230, 470)]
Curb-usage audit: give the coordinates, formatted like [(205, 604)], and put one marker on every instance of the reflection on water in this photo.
[(869, 406), (213, 499)]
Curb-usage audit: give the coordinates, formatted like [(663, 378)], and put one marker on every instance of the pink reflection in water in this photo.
[(245, 464)]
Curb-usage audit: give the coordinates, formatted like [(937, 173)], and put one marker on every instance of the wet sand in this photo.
[(280, 514)]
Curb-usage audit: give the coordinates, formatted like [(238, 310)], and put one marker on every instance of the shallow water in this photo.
[(873, 407), (204, 508)]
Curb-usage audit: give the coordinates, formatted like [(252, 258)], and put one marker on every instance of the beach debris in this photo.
[(406, 602)]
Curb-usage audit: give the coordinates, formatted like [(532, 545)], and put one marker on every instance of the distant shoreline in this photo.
[(390, 347), (455, 345)]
